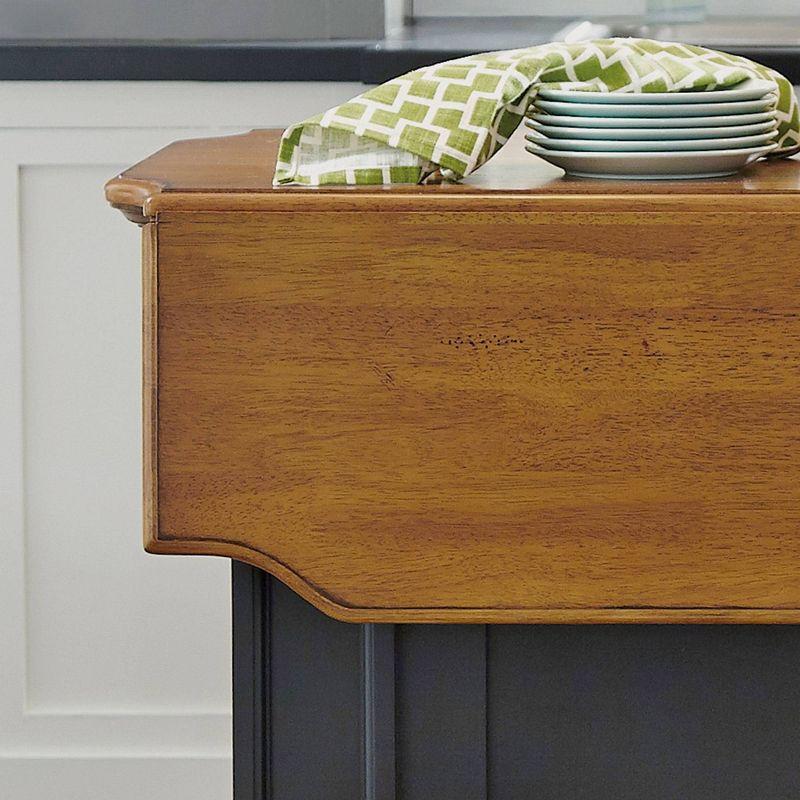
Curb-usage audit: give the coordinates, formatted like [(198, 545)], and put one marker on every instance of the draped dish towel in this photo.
[(451, 118)]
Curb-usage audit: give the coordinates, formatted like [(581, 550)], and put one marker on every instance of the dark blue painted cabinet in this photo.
[(325, 710)]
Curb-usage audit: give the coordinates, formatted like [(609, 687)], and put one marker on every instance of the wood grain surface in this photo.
[(528, 414), (235, 173)]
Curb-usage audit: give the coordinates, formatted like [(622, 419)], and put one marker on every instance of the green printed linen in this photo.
[(451, 118)]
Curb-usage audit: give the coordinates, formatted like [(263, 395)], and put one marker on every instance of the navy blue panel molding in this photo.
[(313, 699), (336, 711), (251, 611), (378, 643), (315, 703)]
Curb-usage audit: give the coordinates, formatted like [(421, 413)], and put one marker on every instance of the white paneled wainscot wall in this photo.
[(100, 695)]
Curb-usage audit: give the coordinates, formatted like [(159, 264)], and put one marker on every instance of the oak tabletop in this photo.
[(236, 172)]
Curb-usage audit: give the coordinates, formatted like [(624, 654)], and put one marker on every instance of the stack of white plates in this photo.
[(653, 135)]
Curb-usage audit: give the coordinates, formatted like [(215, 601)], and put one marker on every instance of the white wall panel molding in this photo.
[(61, 697), (118, 778), (153, 105), (99, 695)]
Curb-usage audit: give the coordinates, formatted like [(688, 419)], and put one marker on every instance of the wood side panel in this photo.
[(487, 416)]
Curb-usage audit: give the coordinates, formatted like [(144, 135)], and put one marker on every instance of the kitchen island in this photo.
[(558, 399), (518, 399)]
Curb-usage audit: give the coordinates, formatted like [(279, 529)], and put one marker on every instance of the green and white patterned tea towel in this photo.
[(453, 117)]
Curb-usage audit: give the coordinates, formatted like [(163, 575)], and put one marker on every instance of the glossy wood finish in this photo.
[(551, 404), (235, 173)]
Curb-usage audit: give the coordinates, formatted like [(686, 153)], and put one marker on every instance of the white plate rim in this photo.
[(629, 155), (755, 88), (655, 110), (586, 144), (715, 121), (591, 134)]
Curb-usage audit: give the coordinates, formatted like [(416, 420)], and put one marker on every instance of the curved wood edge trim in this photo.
[(133, 213), (479, 616), (132, 196)]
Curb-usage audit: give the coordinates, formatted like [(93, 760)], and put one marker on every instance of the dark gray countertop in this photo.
[(775, 43)]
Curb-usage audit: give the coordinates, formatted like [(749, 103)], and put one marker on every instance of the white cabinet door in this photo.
[(100, 695)]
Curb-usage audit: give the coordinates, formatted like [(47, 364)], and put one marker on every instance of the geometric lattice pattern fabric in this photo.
[(451, 118)]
